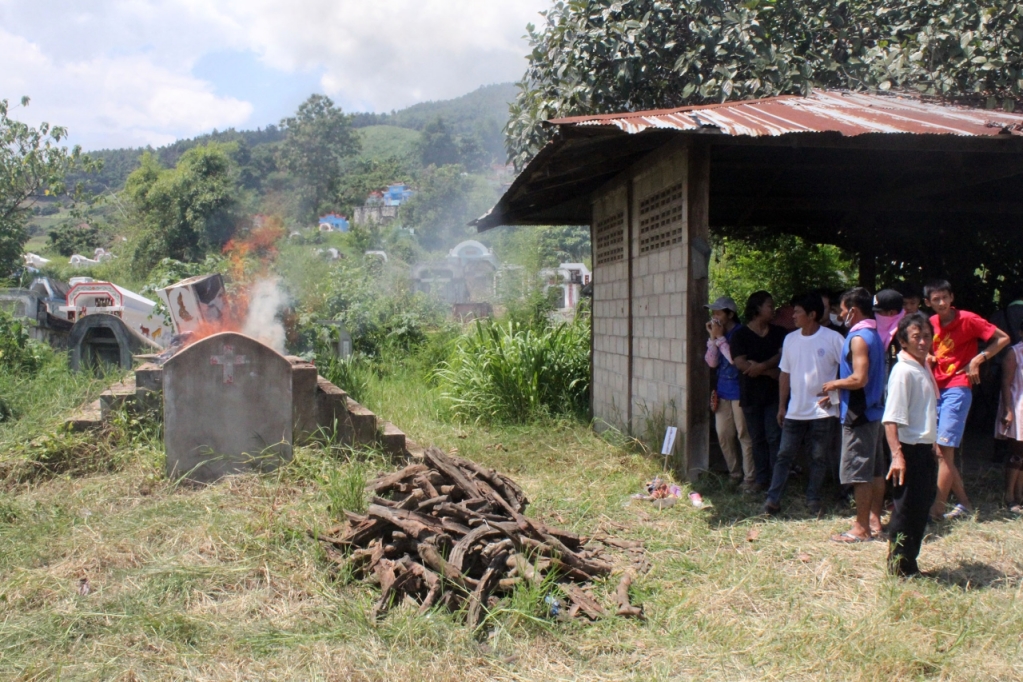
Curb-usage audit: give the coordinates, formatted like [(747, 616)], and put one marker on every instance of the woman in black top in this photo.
[(756, 352)]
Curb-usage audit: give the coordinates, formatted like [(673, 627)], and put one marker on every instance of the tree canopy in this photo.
[(182, 213), (33, 164), (600, 56), (318, 139)]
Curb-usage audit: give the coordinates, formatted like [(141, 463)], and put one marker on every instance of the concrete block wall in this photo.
[(610, 308), (634, 393), (660, 248)]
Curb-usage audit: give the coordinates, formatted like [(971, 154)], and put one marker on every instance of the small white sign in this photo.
[(669, 440)]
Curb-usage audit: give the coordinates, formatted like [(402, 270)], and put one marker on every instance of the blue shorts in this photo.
[(953, 408)]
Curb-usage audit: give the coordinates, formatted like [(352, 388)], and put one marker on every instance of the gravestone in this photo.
[(228, 408)]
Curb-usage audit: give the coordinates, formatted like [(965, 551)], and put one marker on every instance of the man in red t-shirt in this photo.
[(956, 365)]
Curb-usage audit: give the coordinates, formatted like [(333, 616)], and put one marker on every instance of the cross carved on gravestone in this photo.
[(228, 360)]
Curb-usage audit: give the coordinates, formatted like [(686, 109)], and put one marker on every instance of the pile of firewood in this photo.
[(450, 532)]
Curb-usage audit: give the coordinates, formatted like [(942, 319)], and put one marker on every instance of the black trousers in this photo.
[(913, 500)]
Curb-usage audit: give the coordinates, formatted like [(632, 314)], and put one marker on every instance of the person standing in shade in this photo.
[(861, 386), (728, 418), (1009, 426), (756, 351), (911, 299), (910, 424), (809, 358), (956, 366)]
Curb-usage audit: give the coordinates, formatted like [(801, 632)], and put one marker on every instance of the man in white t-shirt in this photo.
[(911, 427), (809, 358)]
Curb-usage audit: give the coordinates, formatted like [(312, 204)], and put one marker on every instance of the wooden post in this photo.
[(868, 269), (697, 426)]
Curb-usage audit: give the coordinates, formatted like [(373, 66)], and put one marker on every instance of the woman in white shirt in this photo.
[(910, 424)]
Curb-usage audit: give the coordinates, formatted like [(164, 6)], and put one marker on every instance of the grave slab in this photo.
[(228, 408)]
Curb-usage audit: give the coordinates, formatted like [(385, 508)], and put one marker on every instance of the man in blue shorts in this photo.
[(956, 366)]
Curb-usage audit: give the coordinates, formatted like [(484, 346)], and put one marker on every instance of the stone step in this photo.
[(149, 388), (392, 439), (118, 395), (85, 418), (364, 424)]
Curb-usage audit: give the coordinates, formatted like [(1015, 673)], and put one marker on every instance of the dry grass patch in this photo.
[(224, 583)]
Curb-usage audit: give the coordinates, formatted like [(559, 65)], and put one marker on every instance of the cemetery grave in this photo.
[(231, 404)]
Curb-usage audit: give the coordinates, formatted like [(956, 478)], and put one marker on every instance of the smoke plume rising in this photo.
[(265, 300)]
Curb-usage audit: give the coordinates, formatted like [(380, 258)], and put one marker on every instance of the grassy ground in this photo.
[(224, 583)]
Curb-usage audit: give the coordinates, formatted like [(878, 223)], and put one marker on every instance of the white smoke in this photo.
[(265, 300)]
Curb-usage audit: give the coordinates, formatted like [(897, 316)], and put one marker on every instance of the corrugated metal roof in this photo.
[(846, 113)]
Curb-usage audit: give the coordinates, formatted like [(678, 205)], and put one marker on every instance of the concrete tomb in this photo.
[(228, 408)]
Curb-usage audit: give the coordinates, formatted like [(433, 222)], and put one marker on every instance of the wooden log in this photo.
[(622, 597), (490, 580), (620, 544), (430, 503), (458, 552), (440, 461), (388, 481), (413, 499), (591, 567), (588, 605), (432, 558), (508, 584), (505, 486), (423, 482), (412, 523), (431, 598), (362, 534)]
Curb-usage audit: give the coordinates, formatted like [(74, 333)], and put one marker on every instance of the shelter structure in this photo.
[(856, 170)]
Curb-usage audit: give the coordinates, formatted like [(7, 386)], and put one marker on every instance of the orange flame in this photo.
[(249, 255)]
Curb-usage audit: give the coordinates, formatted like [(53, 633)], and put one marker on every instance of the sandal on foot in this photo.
[(847, 538), (958, 512)]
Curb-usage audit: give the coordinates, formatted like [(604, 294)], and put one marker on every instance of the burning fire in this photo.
[(250, 305)]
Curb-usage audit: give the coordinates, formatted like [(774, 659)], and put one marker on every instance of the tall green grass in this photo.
[(514, 373)]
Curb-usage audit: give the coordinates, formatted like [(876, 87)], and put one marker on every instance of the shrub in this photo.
[(516, 373), (69, 239), (18, 353), (349, 374)]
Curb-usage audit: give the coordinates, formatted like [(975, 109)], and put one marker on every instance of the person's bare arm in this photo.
[(997, 342), (860, 365), (742, 364), (897, 471), (1009, 369), (768, 367), (784, 389)]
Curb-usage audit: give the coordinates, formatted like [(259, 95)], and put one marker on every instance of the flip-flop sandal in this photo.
[(848, 538), (958, 512)]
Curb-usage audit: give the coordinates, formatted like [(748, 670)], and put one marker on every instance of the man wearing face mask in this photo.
[(888, 311), (861, 385)]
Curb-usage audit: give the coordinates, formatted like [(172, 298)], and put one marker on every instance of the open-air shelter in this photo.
[(875, 174)]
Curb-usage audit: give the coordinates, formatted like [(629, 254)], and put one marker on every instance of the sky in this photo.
[(129, 73)]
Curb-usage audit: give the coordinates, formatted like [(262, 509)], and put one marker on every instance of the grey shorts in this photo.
[(862, 453)]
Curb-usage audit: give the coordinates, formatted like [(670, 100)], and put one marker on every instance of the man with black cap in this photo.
[(728, 418), (888, 311)]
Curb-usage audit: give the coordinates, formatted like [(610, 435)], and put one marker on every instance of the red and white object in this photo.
[(89, 298)]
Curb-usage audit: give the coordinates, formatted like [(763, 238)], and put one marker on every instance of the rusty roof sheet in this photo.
[(846, 113)]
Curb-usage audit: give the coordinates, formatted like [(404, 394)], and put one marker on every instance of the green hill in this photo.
[(482, 112), (384, 141)]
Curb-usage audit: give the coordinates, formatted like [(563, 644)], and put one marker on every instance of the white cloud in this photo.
[(388, 55), (119, 71), (106, 101)]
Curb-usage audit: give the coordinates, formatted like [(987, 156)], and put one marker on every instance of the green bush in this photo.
[(350, 374), (18, 353), (69, 239), (515, 373)]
